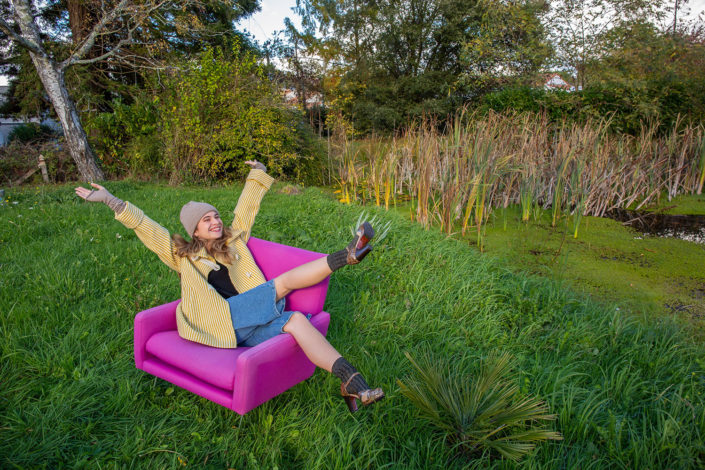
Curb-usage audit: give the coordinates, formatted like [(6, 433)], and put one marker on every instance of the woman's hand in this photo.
[(256, 165), (100, 194)]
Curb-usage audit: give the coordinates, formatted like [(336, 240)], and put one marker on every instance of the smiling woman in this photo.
[(226, 301)]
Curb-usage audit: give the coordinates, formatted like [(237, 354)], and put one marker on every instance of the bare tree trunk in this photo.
[(76, 139), (52, 77)]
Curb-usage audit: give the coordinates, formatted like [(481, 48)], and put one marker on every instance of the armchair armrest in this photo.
[(149, 322), (274, 259)]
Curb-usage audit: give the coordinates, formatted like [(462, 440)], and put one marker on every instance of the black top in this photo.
[(220, 280)]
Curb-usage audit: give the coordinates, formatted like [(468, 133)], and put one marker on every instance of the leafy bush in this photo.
[(31, 132), (627, 104), (486, 414), (221, 110), (126, 140), (210, 116)]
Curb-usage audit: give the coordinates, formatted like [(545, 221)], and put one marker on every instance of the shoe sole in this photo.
[(367, 234)]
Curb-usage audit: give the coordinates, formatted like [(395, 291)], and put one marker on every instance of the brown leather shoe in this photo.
[(358, 247), (366, 397)]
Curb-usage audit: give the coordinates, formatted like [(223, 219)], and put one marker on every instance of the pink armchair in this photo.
[(242, 378)]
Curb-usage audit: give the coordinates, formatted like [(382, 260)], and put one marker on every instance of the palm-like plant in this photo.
[(484, 414)]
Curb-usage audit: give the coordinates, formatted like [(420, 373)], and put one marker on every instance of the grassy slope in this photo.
[(627, 392)]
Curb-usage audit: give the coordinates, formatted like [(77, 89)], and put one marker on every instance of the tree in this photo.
[(402, 59), (577, 29), (508, 46), (60, 35)]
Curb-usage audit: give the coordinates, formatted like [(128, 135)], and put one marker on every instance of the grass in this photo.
[(683, 204), (627, 389)]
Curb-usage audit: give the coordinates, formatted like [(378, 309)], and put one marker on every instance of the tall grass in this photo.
[(458, 175)]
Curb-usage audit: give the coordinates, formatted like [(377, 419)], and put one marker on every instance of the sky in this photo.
[(263, 24)]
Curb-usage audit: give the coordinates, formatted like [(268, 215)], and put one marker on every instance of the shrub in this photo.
[(221, 110), (126, 140), (31, 132), (627, 104), (17, 158), (486, 414)]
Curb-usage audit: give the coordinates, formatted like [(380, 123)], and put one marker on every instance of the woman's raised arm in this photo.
[(257, 184), (154, 236)]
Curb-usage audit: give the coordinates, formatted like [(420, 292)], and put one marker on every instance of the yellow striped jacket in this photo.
[(203, 315)]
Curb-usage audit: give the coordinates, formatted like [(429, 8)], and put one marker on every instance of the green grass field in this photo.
[(627, 388)]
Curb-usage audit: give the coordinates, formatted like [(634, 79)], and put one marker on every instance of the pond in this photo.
[(685, 227)]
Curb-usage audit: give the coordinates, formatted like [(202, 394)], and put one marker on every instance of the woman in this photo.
[(225, 300)]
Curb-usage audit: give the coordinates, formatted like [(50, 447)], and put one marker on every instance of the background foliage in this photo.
[(208, 116)]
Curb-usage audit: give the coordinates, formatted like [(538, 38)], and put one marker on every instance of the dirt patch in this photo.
[(291, 190), (635, 259)]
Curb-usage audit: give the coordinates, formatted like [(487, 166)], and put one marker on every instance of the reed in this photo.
[(458, 175)]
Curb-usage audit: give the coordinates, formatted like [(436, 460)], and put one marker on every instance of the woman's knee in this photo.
[(280, 287), (295, 320)]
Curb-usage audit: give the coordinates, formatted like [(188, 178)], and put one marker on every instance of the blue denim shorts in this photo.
[(257, 315)]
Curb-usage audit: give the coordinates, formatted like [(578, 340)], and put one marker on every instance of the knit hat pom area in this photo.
[(191, 214)]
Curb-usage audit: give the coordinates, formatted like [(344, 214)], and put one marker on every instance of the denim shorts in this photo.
[(257, 315)]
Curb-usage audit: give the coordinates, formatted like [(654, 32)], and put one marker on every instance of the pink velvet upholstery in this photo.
[(241, 378)]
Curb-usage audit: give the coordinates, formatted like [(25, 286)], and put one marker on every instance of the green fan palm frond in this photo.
[(478, 414), (381, 227)]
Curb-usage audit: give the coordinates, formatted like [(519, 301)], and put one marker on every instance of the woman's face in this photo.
[(210, 227)]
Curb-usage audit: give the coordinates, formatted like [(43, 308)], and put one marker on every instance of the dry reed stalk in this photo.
[(482, 162)]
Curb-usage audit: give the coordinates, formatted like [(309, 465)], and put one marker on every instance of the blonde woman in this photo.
[(225, 300)]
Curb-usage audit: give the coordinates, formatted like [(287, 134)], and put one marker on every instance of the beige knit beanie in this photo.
[(191, 214)]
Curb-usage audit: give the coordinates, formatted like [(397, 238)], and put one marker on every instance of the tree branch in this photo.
[(88, 43), (138, 17), (20, 40)]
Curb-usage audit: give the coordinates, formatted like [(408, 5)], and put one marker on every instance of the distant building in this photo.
[(554, 81), (292, 98), (7, 124)]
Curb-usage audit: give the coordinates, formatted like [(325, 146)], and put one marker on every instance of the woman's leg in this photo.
[(314, 344), (302, 276), (314, 272), (320, 352)]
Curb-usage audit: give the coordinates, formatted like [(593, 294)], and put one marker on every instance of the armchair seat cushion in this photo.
[(212, 365)]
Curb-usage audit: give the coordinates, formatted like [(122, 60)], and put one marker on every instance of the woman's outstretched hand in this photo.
[(256, 165), (100, 194)]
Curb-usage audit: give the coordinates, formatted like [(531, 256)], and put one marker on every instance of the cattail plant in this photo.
[(479, 163)]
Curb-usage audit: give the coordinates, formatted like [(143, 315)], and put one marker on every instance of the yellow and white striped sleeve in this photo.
[(257, 184), (154, 236)]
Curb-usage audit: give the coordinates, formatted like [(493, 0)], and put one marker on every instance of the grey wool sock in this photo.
[(337, 260), (344, 370)]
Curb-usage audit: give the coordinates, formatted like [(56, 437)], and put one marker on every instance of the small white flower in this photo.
[(15, 202), (117, 235)]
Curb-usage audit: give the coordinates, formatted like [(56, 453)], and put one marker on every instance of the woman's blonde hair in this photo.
[(218, 250)]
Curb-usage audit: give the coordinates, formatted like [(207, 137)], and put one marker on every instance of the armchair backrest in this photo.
[(274, 259)]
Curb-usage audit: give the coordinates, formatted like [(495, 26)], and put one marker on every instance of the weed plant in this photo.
[(627, 392)]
